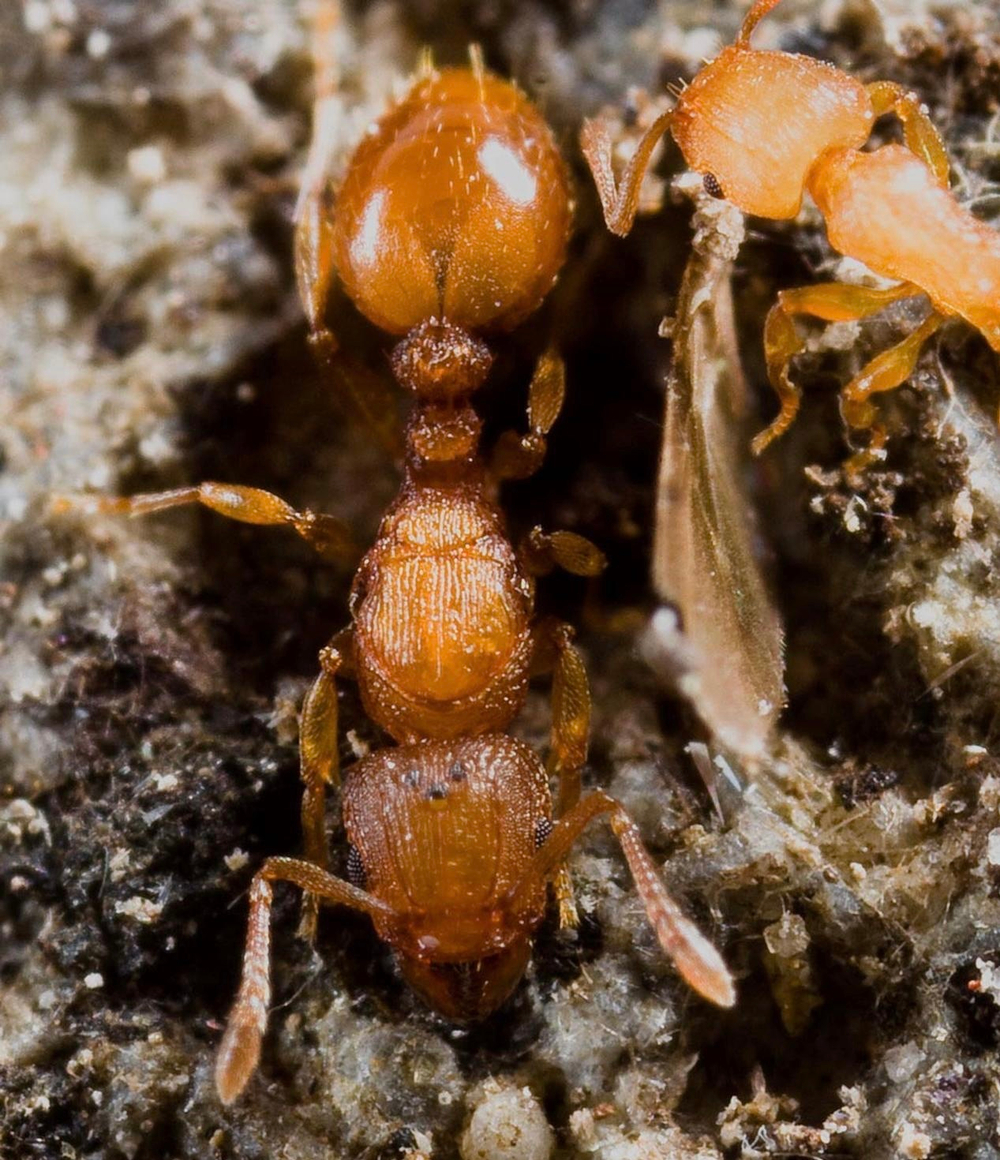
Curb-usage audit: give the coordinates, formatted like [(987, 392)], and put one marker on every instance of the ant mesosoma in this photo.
[(452, 219), (765, 127)]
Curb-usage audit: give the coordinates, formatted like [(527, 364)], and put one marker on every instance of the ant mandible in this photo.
[(452, 219), (764, 127)]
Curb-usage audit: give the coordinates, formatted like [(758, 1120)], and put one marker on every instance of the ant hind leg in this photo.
[(239, 1051), (696, 959), (248, 505), (568, 742), (519, 456), (828, 301)]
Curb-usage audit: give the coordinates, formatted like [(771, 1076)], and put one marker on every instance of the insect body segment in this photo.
[(452, 221), (766, 127), (456, 207)]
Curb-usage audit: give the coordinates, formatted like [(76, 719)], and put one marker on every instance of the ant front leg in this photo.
[(239, 1051), (329, 536), (829, 301), (518, 456), (919, 131), (696, 959), (570, 734), (319, 763), (619, 199)]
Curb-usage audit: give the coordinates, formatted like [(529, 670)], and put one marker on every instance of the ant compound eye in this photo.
[(356, 869), (712, 186), (542, 831)]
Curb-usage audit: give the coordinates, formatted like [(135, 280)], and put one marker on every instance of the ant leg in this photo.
[(239, 1050), (696, 959), (919, 131), (249, 505), (829, 301), (619, 199), (540, 552), (319, 763), (570, 732), (885, 372), (518, 456), (369, 397), (314, 208)]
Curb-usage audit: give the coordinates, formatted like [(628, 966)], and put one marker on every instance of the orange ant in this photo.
[(452, 219), (765, 127)]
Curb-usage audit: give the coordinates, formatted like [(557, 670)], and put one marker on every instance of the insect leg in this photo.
[(540, 552), (239, 1050), (919, 132), (885, 372), (518, 456), (829, 301), (249, 505), (570, 732), (319, 760)]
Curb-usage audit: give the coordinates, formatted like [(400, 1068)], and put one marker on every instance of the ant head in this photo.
[(444, 831), (467, 992), (759, 120), (457, 206)]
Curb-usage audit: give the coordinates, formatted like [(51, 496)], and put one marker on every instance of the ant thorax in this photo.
[(458, 661)]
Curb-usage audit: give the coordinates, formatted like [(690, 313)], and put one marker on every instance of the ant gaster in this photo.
[(452, 219), (765, 127)]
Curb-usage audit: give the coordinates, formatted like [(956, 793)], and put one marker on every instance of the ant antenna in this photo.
[(758, 11)]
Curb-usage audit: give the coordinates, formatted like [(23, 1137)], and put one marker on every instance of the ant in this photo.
[(764, 127), (452, 219)]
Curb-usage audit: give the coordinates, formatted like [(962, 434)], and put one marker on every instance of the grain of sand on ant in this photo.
[(152, 338)]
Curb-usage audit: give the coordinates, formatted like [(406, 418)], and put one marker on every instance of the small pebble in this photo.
[(98, 44), (508, 1124)]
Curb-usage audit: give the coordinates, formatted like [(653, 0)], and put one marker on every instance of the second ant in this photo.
[(766, 127), (452, 221)]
